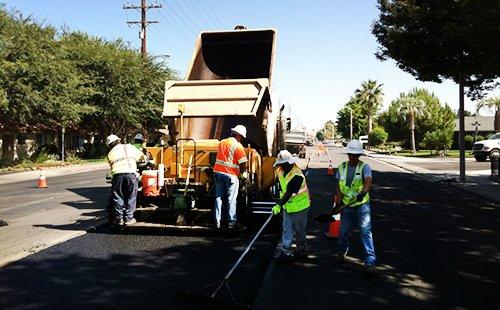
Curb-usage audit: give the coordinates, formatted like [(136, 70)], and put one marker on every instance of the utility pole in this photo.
[(144, 22)]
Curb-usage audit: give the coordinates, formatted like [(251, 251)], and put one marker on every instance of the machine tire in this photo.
[(493, 151)]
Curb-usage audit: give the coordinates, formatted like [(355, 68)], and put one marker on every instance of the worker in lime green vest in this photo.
[(139, 142), (354, 184), (294, 202)]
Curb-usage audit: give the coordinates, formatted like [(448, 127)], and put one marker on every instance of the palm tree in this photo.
[(493, 103), (411, 107), (370, 96)]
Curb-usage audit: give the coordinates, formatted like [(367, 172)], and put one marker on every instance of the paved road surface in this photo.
[(437, 248), (39, 218)]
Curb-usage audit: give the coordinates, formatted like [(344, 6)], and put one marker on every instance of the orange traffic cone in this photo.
[(42, 181), (334, 227), (330, 171)]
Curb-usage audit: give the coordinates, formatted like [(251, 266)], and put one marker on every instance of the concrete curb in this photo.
[(419, 172)]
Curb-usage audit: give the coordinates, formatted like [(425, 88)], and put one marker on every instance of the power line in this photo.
[(144, 22), (184, 12), (181, 19), (200, 16), (181, 35), (207, 14), (171, 43), (215, 14)]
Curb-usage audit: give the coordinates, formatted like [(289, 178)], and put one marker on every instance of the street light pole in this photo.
[(350, 128)]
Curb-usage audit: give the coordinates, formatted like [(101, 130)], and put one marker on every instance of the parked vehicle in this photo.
[(295, 142), (483, 149)]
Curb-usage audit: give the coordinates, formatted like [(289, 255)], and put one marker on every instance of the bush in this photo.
[(469, 141), (438, 140), (378, 136), (479, 138)]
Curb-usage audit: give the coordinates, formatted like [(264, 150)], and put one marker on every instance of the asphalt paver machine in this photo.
[(228, 83)]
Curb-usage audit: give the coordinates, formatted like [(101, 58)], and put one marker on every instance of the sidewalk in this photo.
[(477, 181), (8, 178)]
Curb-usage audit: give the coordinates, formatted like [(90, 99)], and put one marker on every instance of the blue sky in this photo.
[(324, 47)]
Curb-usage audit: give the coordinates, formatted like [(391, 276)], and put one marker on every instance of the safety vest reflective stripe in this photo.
[(123, 158), (349, 192), (227, 164), (298, 201), (226, 157)]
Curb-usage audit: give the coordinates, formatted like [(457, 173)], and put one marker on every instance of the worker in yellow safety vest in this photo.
[(295, 202), (230, 163), (354, 184), (123, 160)]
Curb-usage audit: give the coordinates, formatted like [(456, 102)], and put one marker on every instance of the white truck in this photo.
[(482, 149), (295, 142)]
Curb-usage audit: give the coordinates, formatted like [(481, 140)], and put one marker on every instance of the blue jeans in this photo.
[(124, 186), (294, 223), (360, 217), (226, 186)]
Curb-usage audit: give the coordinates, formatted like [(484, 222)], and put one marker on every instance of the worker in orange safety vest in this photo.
[(230, 162)]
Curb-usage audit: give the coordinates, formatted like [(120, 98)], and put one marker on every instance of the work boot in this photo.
[(284, 258), (300, 254), (118, 222), (370, 270), (130, 222), (340, 257)]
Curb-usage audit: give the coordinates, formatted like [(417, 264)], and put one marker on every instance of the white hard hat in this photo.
[(285, 156), (242, 130), (139, 136), (111, 138), (354, 147)]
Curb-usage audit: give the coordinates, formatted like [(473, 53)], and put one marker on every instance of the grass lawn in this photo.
[(26, 165), (427, 153)]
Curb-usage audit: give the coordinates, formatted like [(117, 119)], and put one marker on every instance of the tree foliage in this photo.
[(493, 104), (378, 136), (436, 117), (370, 97), (359, 121), (51, 79), (446, 39)]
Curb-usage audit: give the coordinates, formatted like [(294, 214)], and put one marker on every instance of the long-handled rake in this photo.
[(196, 296)]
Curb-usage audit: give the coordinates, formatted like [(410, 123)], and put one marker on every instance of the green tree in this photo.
[(411, 106), (448, 39), (439, 140), (358, 119), (437, 117), (320, 135), (492, 103), (378, 136), (370, 96), (329, 130)]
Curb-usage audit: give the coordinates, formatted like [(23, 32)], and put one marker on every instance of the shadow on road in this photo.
[(106, 270), (437, 247)]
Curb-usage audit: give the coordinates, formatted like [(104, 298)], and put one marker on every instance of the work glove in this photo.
[(360, 196), (276, 209)]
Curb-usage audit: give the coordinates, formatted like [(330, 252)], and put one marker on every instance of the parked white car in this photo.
[(363, 140), (483, 149)]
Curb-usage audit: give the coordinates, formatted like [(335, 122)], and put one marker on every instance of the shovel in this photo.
[(329, 216)]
